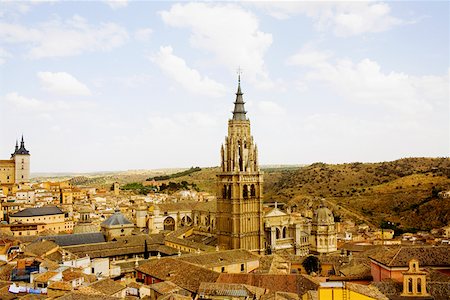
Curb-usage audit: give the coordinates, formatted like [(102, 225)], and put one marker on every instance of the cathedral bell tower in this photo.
[(240, 193)]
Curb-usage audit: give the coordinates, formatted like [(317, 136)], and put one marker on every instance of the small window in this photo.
[(223, 269), (242, 267)]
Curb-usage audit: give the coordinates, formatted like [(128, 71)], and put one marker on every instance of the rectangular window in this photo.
[(242, 267)]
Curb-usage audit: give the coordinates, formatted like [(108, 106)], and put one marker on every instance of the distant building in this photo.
[(33, 221), (84, 224), (239, 200), (392, 263), (284, 232), (116, 225), (16, 169), (323, 237)]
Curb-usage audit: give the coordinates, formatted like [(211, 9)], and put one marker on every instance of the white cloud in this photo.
[(22, 102), (4, 55), (343, 18), (143, 34), (269, 107), (35, 105), (62, 83), (365, 82), (228, 31), (309, 57), (69, 38), (116, 4), (190, 79)]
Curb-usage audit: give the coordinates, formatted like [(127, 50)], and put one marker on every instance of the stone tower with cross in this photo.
[(240, 186)]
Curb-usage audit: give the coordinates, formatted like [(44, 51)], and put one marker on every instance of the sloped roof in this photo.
[(275, 212), (116, 219), (165, 287), (76, 239), (226, 289), (298, 284), (40, 248), (183, 274), (366, 290), (38, 211), (107, 286), (426, 255), (220, 258)]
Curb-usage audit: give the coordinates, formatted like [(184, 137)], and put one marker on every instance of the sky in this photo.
[(122, 85)]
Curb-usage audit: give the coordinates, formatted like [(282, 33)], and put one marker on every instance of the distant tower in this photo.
[(323, 237), (21, 158), (116, 188), (141, 216), (415, 282), (239, 200)]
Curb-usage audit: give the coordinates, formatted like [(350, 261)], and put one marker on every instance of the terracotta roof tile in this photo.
[(183, 274), (426, 255), (107, 286), (291, 283)]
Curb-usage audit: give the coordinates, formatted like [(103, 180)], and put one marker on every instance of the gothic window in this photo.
[(278, 233), (241, 165), (252, 191), (229, 192), (245, 191), (419, 285), (410, 285), (224, 192), (284, 232)]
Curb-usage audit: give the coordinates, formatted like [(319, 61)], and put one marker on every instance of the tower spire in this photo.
[(22, 143), (239, 109), (17, 146)]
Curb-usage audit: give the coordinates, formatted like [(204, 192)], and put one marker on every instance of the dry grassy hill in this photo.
[(404, 191)]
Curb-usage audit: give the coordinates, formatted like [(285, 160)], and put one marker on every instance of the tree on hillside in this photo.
[(311, 264)]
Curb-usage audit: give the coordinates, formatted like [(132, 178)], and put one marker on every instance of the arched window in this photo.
[(186, 221), (410, 285), (284, 233), (169, 223), (229, 192), (245, 192), (278, 233), (419, 285), (252, 191)]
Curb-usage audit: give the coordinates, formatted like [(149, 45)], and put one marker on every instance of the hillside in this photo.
[(404, 191)]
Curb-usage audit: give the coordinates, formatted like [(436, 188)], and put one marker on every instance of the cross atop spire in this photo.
[(239, 109)]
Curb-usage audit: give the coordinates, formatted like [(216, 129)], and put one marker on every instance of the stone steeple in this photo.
[(239, 200), (239, 110)]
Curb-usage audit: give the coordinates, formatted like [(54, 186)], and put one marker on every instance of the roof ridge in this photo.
[(396, 254)]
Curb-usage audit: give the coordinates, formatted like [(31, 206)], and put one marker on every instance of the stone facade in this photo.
[(286, 232), (323, 236), (16, 169), (240, 193)]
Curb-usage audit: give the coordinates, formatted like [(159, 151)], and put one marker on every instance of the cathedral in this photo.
[(16, 169), (240, 186)]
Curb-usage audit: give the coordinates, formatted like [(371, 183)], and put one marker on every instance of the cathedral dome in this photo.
[(323, 216)]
